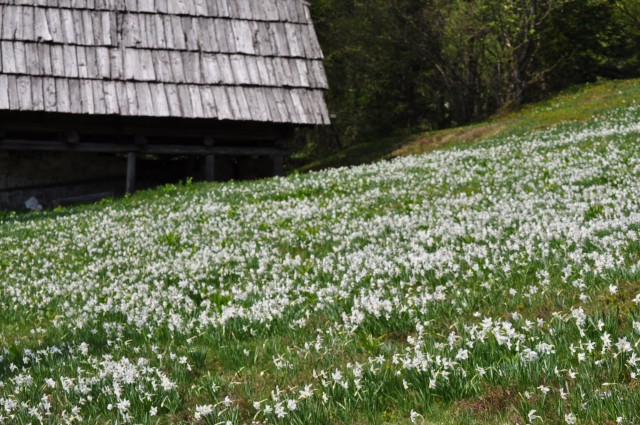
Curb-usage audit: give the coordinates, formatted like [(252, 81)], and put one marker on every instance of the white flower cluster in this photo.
[(101, 380), (421, 242)]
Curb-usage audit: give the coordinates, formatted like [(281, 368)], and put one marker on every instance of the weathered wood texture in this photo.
[(131, 173), (159, 149), (244, 60)]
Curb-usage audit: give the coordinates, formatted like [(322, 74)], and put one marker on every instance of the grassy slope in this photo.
[(76, 247), (576, 104)]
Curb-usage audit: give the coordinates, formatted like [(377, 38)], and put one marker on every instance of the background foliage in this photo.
[(395, 65)]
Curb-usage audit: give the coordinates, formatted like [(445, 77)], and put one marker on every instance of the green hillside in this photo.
[(577, 104), (489, 282)]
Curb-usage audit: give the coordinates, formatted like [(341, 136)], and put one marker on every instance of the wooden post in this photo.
[(282, 144), (209, 161), (210, 167), (278, 165), (131, 172), (140, 142)]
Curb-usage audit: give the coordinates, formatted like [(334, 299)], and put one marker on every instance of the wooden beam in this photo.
[(72, 138), (57, 146), (151, 127), (140, 140), (83, 199), (131, 173)]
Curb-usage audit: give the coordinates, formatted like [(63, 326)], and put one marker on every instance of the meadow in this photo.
[(494, 282)]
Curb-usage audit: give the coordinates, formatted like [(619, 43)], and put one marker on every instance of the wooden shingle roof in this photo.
[(247, 60)]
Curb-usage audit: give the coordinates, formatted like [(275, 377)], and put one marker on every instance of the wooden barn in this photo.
[(101, 96)]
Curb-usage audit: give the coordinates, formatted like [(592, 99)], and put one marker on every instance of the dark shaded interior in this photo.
[(57, 157)]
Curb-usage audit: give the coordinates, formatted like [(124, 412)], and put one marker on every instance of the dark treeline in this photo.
[(430, 64)]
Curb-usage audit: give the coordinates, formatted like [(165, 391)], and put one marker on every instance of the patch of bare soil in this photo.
[(439, 139)]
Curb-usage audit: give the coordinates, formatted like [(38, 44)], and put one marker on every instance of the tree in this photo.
[(376, 78), (397, 64), (482, 52), (515, 26)]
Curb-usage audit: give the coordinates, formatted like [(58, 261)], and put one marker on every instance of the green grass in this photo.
[(456, 286), (575, 104)]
